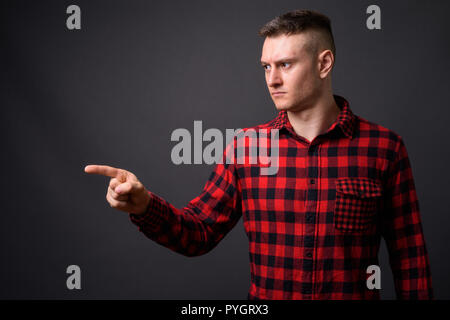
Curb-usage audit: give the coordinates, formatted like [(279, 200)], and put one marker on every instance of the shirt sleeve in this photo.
[(402, 231), (197, 228)]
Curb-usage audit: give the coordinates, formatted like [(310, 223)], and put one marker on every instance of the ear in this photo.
[(326, 62)]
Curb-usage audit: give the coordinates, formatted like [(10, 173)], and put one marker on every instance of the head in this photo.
[(298, 56)]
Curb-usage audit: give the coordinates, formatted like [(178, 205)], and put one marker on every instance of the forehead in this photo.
[(282, 46)]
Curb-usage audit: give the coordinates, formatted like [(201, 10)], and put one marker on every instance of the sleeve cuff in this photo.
[(152, 218)]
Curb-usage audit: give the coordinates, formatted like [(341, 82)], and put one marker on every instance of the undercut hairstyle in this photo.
[(299, 21)]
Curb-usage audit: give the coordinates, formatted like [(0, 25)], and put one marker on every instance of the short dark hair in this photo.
[(298, 21)]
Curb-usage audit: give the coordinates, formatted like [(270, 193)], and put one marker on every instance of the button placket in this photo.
[(310, 215)]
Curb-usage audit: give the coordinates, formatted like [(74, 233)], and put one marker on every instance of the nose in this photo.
[(274, 78)]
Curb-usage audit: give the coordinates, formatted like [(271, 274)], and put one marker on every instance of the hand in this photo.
[(125, 191)]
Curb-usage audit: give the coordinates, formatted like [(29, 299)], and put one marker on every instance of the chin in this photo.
[(282, 107)]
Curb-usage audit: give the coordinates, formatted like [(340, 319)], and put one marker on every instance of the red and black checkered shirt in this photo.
[(315, 226)]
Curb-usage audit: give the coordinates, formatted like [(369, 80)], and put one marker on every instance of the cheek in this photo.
[(299, 82), (299, 76), (306, 79)]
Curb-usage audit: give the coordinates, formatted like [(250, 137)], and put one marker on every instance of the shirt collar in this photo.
[(345, 120)]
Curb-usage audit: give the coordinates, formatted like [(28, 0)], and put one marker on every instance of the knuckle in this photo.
[(111, 201), (113, 183), (135, 186)]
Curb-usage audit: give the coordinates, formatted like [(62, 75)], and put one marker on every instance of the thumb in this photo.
[(124, 188)]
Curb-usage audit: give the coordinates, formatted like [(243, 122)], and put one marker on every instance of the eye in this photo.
[(266, 67), (285, 64)]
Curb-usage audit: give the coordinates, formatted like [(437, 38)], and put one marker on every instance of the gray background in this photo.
[(113, 92)]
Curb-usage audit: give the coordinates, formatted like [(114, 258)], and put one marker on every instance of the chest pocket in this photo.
[(356, 203)]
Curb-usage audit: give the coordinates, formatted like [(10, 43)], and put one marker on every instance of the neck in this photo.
[(315, 119)]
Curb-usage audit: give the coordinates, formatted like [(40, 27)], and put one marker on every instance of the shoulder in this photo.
[(384, 137)]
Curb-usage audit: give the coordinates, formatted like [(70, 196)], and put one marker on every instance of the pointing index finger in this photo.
[(105, 171)]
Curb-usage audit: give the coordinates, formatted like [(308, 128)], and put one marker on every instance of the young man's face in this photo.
[(291, 69)]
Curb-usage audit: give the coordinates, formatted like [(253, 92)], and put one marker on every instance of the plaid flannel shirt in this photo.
[(315, 226)]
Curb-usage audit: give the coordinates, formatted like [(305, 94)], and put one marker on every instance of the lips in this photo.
[(278, 93)]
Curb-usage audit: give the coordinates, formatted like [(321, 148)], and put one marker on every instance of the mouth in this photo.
[(278, 93)]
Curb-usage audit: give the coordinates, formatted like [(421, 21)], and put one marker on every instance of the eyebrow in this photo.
[(286, 59)]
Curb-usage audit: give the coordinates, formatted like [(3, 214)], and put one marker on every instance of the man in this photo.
[(342, 183)]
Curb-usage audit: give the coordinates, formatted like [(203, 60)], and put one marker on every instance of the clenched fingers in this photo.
[(113, 183), (125, 188), (122, 188), (117, 204), (120, 197)]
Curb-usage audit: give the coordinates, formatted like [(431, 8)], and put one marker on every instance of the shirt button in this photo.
[(312, 181), (309, 255)]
